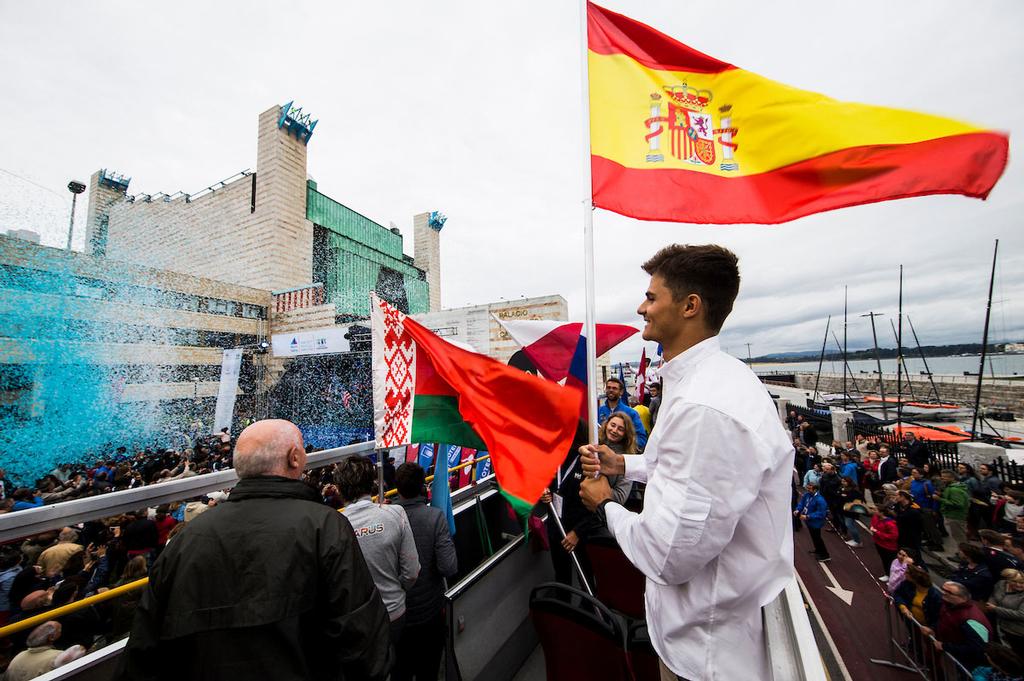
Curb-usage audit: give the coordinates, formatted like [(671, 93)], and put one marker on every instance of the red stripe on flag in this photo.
[(611, 33), (968, 164)]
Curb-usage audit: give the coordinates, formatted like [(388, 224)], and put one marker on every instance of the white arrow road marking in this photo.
[(843, 594)]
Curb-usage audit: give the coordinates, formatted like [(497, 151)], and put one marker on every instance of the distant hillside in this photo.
[(884, 353)]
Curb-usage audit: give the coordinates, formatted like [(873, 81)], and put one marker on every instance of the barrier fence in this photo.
[(944, 454), (912, 648), (819, 418)]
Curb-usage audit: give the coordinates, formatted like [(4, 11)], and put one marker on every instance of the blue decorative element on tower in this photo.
[(109, 178), (296, 122), (437, 220)]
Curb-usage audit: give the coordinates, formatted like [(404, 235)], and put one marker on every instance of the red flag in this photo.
[(427, 390), (641, 377)]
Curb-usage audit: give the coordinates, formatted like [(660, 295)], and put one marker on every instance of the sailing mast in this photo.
[(821, 358), (899, 360), (920, 351), (910, 385), (984, 344), (846, 299), (878, 361), (846, 365)]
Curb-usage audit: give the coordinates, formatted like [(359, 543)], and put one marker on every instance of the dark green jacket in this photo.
[(954, 501)]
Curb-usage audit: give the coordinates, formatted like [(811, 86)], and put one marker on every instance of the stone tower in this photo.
[(427, 244), (278, 220), (105, 189)]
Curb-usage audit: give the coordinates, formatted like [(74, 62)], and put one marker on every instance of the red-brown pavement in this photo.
[(859, 629)]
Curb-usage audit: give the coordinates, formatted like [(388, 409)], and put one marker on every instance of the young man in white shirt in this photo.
[(715, 537)]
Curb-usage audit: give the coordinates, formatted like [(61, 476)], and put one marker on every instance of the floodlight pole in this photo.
[(75, 188)]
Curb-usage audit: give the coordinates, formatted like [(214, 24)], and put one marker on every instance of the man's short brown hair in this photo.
[(710, 271)]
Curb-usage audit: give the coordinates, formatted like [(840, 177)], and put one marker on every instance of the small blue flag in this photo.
[(440, 493)]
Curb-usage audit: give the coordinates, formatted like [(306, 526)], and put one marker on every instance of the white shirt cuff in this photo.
[(635, 467)]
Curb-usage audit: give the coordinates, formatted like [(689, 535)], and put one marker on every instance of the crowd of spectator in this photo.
[(968, 599), (119, 470), (43, 572)]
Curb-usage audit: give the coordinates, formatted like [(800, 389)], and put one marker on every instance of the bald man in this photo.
[(270, 584)]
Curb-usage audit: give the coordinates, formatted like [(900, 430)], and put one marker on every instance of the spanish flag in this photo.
[(679, 136)]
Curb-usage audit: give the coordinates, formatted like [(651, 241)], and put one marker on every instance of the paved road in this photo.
[(859, 628)]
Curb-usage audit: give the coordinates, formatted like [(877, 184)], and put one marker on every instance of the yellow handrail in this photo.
[(75, 606)]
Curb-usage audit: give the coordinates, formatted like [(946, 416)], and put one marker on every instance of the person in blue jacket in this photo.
[(813, 510), (24, 499), (614, 390), (848, 468)]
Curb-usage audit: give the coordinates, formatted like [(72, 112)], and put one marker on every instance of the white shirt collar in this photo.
[(676, 367)]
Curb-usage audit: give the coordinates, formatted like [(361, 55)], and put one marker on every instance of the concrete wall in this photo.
[(217, 234), (1011, 396)]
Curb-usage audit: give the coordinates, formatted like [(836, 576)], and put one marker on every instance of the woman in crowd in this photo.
[(1006, 605), (917, 597), (885, 534), (124, 607), (869, 480), (898, 569), (619, 434), (812, 476)]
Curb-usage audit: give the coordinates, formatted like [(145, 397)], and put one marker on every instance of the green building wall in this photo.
[(349, 253)]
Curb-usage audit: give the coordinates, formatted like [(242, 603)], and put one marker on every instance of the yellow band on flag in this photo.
[(678, 135)]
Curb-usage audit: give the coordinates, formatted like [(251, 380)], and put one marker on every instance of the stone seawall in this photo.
[(992, 396)]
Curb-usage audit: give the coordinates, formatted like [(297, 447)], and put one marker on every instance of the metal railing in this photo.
[(821, 421), (28, 623), (944, 453), (912, 649), (33, 521)]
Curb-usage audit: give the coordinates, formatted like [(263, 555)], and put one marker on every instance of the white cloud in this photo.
[(473, 109)]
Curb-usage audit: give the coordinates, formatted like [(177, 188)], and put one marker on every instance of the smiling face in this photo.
[(613, 390), (664, 316), (615, 429)]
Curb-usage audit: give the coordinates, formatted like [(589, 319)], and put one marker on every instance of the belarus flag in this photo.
[(426, 389), (551, 344)]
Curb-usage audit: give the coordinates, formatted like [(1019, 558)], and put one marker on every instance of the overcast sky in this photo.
[(473, 108)]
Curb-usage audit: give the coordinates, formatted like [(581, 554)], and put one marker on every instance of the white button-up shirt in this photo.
[(715, 538)]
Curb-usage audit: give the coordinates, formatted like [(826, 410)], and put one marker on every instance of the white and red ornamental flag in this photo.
[(641, 377)]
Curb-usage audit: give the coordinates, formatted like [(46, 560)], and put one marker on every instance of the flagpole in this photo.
[(572, 554), (590, 319)]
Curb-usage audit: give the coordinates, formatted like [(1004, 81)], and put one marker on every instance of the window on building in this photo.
[(253, 311)]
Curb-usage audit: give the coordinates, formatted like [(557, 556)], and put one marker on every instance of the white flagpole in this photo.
[(589, 324)]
